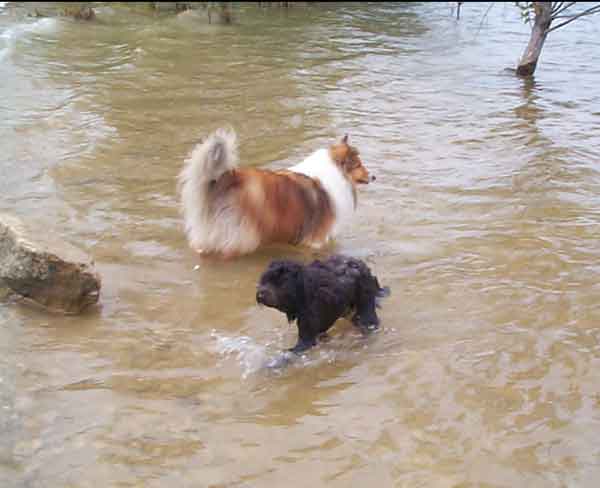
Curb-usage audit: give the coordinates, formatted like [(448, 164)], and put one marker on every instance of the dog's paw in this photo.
[(302, 346), (367, 329)]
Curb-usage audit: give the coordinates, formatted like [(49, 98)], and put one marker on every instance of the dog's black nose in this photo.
[(373, 177)]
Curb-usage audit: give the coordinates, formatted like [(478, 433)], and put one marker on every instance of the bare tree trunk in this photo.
[(543, 19)]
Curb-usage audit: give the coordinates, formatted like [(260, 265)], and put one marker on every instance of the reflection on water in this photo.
[(484, 221)]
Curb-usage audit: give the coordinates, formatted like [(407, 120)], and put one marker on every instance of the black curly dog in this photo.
[(321, 292)]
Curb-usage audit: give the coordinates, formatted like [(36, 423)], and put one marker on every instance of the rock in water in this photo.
[(48, 271)]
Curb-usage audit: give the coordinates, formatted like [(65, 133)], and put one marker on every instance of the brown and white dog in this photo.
[(232, 211)]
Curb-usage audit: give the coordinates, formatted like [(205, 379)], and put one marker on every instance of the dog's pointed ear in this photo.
[(345, 139)]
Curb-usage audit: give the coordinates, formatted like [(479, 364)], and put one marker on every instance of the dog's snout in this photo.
[(373, 177), (260, 296)]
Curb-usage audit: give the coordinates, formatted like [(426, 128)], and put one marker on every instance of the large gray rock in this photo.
[(44, 269)]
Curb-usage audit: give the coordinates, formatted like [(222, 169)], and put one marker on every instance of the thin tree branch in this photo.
[(556, 6), (484, 16), (589, 11), (561, 10), (564, 17)]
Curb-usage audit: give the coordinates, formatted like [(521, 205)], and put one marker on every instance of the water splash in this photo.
[(254, 358), (251, 356), (272, 359)]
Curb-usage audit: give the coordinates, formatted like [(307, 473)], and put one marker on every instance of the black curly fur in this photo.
[(318, 294)]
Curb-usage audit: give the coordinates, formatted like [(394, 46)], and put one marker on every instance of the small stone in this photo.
[(46, 270)]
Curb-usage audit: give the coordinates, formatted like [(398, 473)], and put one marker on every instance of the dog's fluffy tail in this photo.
[(208, 161)]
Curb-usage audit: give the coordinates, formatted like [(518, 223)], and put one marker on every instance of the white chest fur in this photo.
[(321, 166)]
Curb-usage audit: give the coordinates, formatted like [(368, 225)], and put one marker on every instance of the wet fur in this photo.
[(232, 211), (317, 294)]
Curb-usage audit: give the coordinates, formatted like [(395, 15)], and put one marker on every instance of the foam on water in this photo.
[(10, 36)]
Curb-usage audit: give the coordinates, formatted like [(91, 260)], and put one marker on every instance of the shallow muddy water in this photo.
[(484, 221)]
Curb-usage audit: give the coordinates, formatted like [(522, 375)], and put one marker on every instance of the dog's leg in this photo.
[(306, 337), (305, 344), (365, 317), (365, 328)]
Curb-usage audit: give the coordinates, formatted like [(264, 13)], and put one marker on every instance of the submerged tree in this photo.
[(544, 14)]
